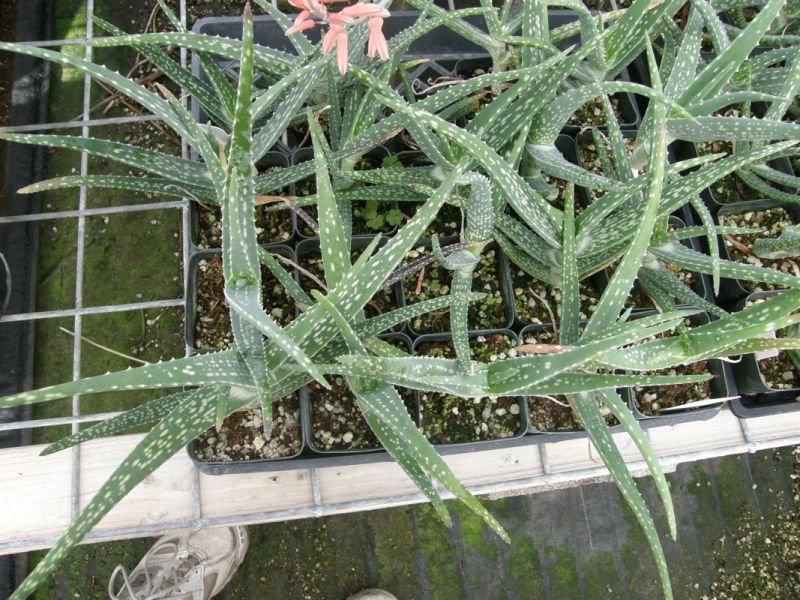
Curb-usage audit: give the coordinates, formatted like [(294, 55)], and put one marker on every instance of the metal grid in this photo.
[(85, 123), (75, 419)]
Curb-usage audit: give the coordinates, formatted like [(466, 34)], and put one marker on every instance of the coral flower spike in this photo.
[(341, 52), (301, 23), (377, 41)]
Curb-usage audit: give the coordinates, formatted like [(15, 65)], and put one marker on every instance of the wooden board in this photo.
[(35, 500)]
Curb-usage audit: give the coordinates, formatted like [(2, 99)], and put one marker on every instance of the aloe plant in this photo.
[(498, 167)]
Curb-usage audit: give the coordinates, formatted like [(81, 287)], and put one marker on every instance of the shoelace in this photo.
[(173, 576)]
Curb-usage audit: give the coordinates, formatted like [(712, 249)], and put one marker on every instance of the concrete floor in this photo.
[(572, 543)]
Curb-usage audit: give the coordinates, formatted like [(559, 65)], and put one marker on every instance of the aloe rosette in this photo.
[(534, 88)]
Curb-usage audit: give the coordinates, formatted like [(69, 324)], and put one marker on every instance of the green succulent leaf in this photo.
[(195, 414), (147, 413)]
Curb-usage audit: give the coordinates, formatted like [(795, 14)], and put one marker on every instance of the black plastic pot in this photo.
[(307, 410), (758, 398), (303, 229), (270, 160), (534, 331), (503, 277), (253, 465), (522, 428), (722, 386), (310, 247), (701, 284), (689, 150), (733, 291), (191, 292)]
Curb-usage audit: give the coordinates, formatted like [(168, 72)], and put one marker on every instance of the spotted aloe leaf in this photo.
[(264, 59), (509, 376), (206, 96), (553, 163), (765, 190), (689, 259), (460, 26), (442, 376), (195, 414), (179, 170), (524, 261), (597, 211), (120, 83), (711, 340), (670, 287), (686, 60), (147, 413), (279, 179), (611, 399), (717, 73), (314, 329), (289, 283), (586, 407), (386, 414), (334, 243), (201, 369), (438, 103), (290, 104), (381, 323), (776, 176), (552, 119), (614, 296), (149, 185), (539, 215), (713, 24), (240, 264), (707, 223), (570, 291), (735, 129)]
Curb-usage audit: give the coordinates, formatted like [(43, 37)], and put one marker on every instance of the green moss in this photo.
[(733, 485), (524, 572), (637, 559), (600, 576), (393, 546), (436, 555), (562, 573), (475, 534)]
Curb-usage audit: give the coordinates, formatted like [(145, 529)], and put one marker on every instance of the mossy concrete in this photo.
[(128, 257), (572, 543)]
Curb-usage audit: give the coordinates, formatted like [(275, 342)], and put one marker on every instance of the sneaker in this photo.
[(183, 566), (372, 594)]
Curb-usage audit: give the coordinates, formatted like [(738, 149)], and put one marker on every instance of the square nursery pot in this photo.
[(759, 394), (332, 421), (551, 416), (496, 311), (730, 189), (309, 259), (587, 158), (272, 226), (360, 223), (591, 114), (732, 291), (205, 300), (646, 408), (700, 283), (242, 446), (458, 424)]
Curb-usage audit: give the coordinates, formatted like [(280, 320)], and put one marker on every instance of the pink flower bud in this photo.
[(341, 52)]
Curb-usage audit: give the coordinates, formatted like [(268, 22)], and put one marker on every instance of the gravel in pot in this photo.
[(446, 419)]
